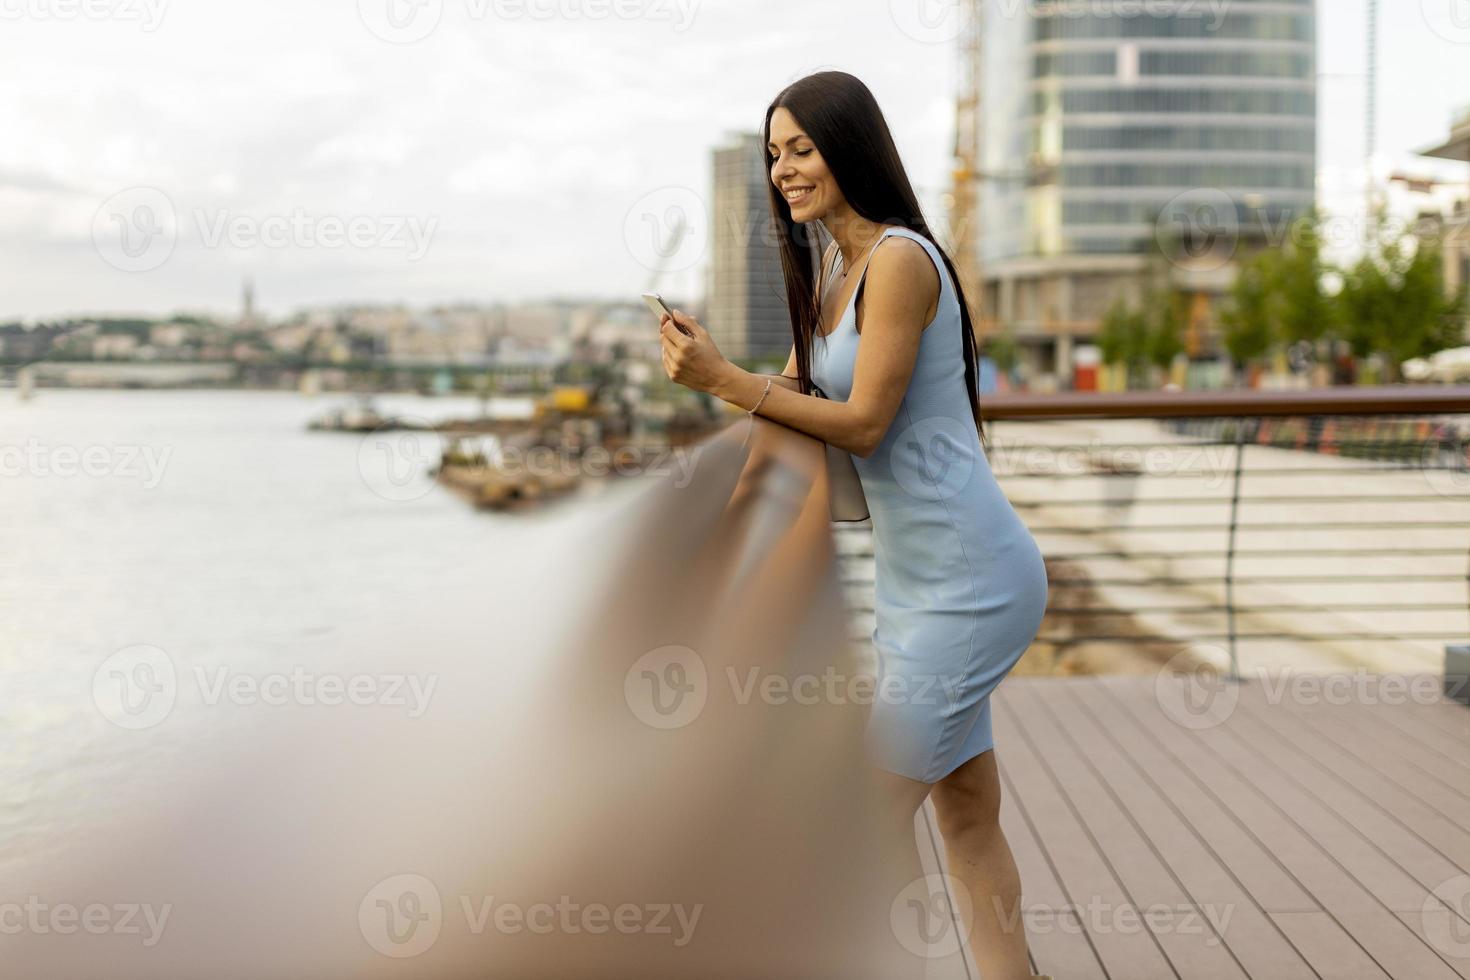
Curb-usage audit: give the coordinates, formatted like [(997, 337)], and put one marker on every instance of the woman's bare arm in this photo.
[(787, 378), (902, 285), (793, 384)]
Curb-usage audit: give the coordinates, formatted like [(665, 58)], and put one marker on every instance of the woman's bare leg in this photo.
[(967, 803)]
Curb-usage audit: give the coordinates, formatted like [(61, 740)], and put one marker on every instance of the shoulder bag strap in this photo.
[(822, 275)]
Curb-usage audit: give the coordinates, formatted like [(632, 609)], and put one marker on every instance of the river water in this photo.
[(214, 528)]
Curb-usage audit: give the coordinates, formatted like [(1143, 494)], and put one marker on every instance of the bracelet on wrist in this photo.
[(762, 398)]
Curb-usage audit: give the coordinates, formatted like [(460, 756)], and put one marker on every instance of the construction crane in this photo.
[(1370, 128), (965, 214)]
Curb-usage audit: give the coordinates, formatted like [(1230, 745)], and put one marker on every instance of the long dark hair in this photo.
[(842, 118)]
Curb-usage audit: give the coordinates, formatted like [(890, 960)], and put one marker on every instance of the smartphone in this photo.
[(660, 309), (657, 305)]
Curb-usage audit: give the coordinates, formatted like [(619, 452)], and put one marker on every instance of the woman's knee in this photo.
[(967, 801)]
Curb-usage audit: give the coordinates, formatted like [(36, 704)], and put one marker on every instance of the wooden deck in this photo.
[(1264, 835)]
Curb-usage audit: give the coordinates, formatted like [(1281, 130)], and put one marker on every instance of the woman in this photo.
[(960, 586)]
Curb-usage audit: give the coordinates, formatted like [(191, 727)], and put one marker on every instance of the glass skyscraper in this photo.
[(1110, 127)]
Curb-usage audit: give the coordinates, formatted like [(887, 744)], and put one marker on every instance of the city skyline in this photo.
[(499, 158)]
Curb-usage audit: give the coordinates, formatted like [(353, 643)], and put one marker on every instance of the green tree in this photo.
[(1122, 335), (1306, 312), (1393, 301), (1160, 323), (1249, 318), (1003, 350), (1142, 337), (1164, 338)]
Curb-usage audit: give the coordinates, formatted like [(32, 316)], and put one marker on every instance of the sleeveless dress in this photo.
[(960, 585)]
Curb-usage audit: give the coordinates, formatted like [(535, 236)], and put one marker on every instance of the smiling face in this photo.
[(798, 171)]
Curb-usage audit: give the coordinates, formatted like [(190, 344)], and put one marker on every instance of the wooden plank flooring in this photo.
[(1262, 831)]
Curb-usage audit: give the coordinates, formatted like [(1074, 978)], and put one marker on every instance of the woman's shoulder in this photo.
[(917, 237), (904, 256)]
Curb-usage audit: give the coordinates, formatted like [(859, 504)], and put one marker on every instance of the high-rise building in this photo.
[(1455, 227), (747, 312), (1111, 130), (247, 304)]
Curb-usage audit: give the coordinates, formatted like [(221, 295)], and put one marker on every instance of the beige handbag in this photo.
[(845, 487)]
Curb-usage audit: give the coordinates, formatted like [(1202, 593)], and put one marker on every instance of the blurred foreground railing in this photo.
[(1316, 528), (664, 727)]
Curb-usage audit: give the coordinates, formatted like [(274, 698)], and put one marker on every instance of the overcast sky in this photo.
[(155, 152)]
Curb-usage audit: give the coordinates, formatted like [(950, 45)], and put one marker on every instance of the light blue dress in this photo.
[(960, 585)]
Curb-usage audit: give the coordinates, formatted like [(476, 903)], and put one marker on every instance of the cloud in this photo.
[(528, 140)]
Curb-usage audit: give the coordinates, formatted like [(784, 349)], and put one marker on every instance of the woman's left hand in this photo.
[(691, 358)]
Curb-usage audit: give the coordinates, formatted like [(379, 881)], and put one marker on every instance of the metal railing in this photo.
[(1328, 524)]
